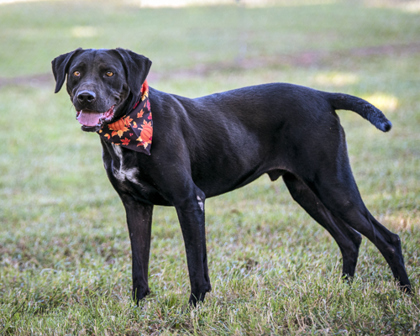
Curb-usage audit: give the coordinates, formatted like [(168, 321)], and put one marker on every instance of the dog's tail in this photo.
[(341, 101)]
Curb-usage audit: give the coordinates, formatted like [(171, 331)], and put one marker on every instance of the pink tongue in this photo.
[(89, 118)]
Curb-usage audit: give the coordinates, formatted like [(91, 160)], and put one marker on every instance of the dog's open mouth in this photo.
[(92, 121)]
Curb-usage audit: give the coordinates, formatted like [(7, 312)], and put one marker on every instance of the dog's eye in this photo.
[(109, 73), (76, 73)]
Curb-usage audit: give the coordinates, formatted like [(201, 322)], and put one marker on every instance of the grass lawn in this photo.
[(65, 260)]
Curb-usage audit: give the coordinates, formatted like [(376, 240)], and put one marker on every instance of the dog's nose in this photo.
[(85, 97)]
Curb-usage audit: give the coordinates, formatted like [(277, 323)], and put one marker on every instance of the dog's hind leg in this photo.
[(334, 185), (348, 240)]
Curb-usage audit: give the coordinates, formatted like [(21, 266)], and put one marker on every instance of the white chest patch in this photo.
[(120, 172)]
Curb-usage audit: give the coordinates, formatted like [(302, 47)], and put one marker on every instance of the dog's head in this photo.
[(102, 83)]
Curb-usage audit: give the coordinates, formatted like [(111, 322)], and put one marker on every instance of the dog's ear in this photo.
[(136, 66), (60, 66)]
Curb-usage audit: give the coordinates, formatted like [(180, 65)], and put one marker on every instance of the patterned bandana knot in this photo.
[(134, 130)]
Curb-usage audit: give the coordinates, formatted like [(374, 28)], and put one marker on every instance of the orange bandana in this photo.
[(133, 131)]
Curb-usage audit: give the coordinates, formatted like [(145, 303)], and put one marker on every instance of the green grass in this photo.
[(65, 264)]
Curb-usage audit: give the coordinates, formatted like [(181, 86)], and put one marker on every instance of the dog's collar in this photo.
[(133, 131)]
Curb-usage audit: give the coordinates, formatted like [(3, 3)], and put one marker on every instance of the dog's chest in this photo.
[(124, 171), (121, 168)]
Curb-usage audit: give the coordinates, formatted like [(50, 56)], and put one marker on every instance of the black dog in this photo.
[(210, 145)]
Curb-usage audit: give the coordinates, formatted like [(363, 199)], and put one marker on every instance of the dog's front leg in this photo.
[(191, 217), (139, 221)]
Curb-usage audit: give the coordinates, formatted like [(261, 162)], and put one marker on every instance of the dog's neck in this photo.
[(134, 129), (134, 99)]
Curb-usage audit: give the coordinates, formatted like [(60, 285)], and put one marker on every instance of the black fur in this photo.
[(207, 146)]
